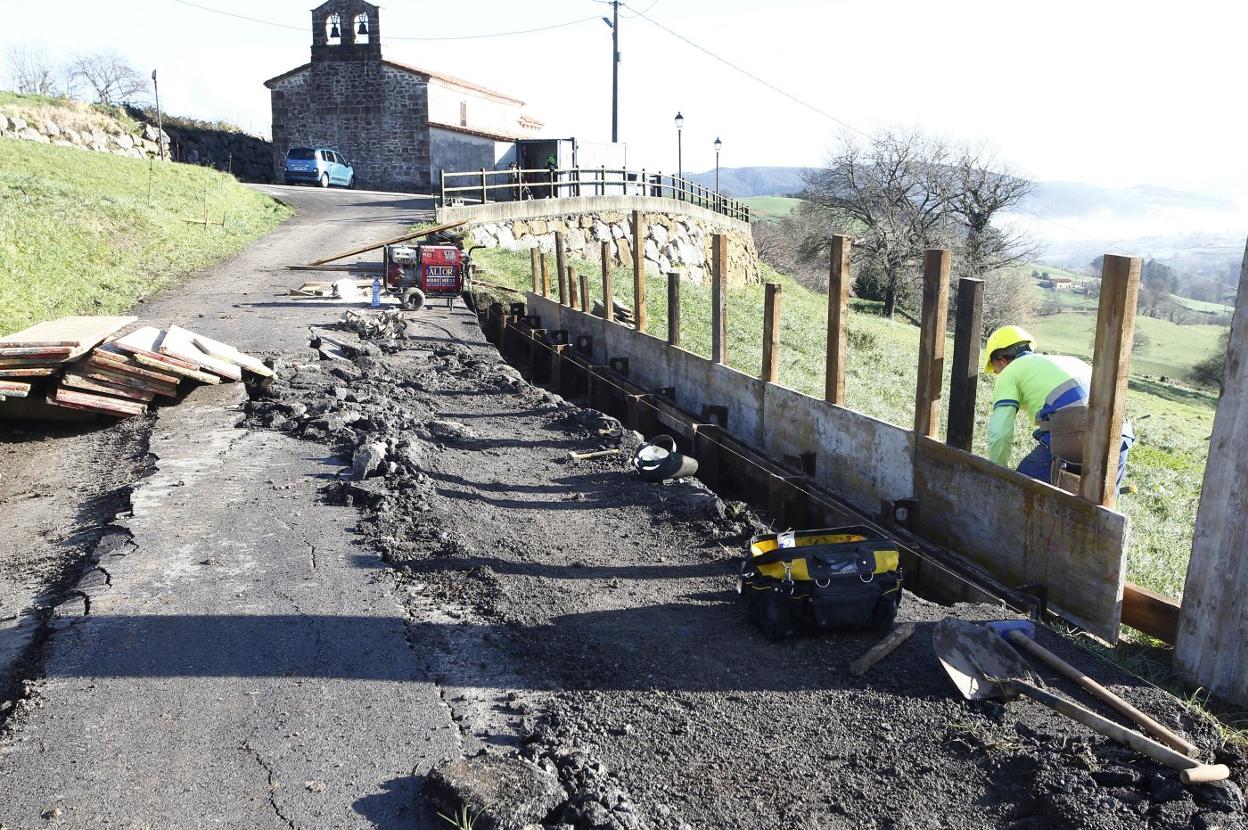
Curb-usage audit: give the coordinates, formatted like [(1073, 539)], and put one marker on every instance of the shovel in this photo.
[(982, 665)]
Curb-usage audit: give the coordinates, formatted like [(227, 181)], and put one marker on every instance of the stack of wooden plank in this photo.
[(122, 375), (13, 388), (44, 349)]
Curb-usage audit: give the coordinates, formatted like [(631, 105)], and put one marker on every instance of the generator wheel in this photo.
[(413, 299)]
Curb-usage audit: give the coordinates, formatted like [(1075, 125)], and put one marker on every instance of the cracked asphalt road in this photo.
[(241, 665)]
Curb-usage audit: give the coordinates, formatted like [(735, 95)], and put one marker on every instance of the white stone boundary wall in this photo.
[(116, 141), (677, 236)]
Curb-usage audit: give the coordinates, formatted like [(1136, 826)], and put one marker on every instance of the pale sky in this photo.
[(1107, 92)]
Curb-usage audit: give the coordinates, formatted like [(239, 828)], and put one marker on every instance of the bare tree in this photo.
[(108, 77), (981, 189), (892, 194), (31, 69)]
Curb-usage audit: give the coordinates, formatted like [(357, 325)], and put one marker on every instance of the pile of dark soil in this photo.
[(583, 624)]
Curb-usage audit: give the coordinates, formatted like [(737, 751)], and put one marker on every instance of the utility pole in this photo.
[(160, 129), (614, 23)]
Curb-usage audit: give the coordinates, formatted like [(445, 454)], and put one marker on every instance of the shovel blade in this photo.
[(978, 661)]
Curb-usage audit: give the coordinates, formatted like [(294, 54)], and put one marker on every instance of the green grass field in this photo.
[(1172, 422), (1169, 351), (770, 208), (80, 232)]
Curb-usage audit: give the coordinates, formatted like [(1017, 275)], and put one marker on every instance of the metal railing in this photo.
[(511, 185)]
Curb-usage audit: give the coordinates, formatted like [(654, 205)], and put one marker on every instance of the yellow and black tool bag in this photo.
[(834, 579)]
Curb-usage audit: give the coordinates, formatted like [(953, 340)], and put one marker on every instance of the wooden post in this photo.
[(964, 378), (560, 274), (584, 292), (838, 317), (932, 341), (639, 270), (1212, 648), (719, 298), (771, 334), (673, 308), (1111, 367), (534, 267), (545, 275), (608, 299), (573, 299)]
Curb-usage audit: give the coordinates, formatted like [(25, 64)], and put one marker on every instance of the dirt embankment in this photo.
[(583, 624)]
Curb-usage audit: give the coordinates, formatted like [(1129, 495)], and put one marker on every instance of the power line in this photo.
[(389, 36), (852, 128), (746, 72)]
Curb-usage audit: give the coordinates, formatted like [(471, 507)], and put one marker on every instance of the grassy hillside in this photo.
[(1169, 350), (771, 208), (1173, 423), (93, 233)]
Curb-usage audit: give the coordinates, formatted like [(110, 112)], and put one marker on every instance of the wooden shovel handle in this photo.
[(881, 649), (1024, 643), (1190, 770)]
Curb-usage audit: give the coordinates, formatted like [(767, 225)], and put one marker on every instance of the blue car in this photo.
[(318, 165)]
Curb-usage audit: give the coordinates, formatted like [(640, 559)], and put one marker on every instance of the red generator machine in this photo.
[(416, 273)]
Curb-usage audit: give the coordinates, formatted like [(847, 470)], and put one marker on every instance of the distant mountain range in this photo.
[(754, 181), (1070, 219)]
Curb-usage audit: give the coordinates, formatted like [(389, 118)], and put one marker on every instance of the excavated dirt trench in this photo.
[(582, 619)]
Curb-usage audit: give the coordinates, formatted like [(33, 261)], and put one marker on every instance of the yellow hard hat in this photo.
[(1003, 338)]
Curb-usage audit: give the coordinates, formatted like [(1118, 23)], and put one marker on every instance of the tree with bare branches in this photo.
[(981, 189), (31, 70), (108, 77), (892, 194)]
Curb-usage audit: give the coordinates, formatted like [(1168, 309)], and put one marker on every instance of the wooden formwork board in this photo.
[(1025, 532), (860, 459)]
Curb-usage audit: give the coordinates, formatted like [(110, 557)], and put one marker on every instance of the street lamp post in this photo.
[(718, 145), (680, 166)]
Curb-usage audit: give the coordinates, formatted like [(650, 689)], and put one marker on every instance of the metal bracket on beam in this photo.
[(618, 364), (517, 309), (558, 337), (1039, 593), (904, 513), (533, 321), (585, 345), (713, 414), (668, 392)]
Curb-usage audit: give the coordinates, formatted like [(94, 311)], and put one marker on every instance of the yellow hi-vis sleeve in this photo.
[(1001, 433)]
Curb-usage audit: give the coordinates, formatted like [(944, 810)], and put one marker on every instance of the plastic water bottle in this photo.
[(376, 300)]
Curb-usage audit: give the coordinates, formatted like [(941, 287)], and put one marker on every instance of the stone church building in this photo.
[(398, 125)]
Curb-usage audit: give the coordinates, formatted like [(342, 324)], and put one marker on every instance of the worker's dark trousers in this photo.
[(1038, 463)]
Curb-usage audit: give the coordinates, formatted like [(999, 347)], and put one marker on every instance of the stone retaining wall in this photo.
[(676, 237), (245, 156)]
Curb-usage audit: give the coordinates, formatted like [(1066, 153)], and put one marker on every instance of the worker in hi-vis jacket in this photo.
[(1053, 391)]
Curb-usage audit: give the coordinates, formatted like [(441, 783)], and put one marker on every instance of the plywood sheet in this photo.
[(14, 388), (87, 384), (1024, 532), (545, 308), (142, 346), (859, 458), (648, 361), (28, 371), (95, 403), (226, 352), (180, 343), (699, 383), (579, 324), (78, 333), (127, 376)]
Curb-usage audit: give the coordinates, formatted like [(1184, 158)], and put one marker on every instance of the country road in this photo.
[(264, 645), (236, 638)]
